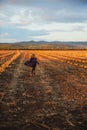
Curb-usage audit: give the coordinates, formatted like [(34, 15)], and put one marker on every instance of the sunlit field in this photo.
[(54, 99)]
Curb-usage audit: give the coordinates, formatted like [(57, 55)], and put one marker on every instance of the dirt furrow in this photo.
[(16, 74), (38, 102)]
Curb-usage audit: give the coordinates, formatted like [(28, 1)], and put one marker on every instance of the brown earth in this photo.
[(54, 99)]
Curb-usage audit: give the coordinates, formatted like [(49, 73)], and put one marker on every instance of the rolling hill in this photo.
[(44, 45)]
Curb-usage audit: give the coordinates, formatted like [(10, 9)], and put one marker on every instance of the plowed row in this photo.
[(54, 99)]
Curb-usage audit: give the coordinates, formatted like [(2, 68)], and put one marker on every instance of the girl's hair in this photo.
[(33, 55)]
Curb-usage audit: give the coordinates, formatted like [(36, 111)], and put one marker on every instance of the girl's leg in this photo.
[(33, 70)]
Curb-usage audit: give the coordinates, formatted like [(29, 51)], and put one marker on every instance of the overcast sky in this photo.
[(51, 20)]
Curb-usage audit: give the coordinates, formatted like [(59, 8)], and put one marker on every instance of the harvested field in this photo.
[(54, 99)]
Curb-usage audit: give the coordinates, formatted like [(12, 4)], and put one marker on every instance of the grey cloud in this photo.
[(20, 34), (51, 10), (63, 15), (45, 3), (72, 29), (57, 10), (78, 28)]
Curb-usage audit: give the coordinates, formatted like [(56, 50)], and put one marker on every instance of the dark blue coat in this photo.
[(32, 62)]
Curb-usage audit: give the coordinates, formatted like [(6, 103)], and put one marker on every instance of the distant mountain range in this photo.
[(44, 45)]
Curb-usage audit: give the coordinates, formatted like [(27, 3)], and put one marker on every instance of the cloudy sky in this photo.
[(51, 20)]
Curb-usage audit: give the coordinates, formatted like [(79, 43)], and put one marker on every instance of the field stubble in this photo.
[(56, 98)]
